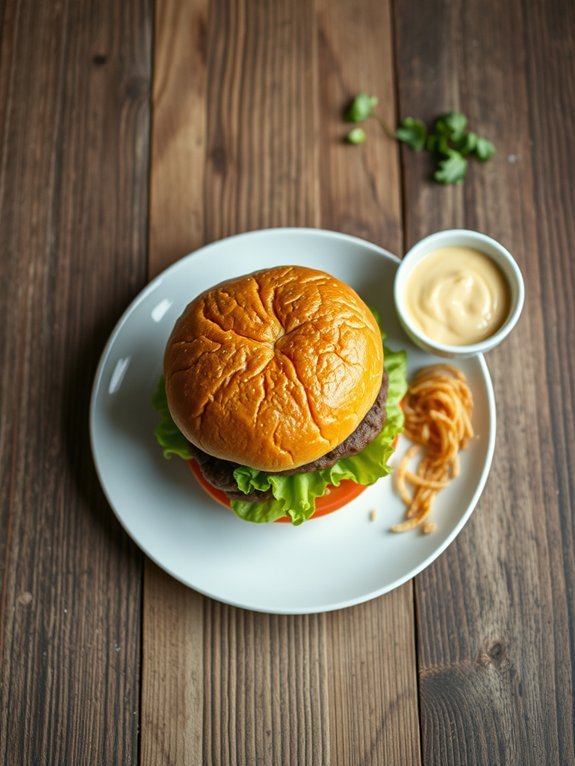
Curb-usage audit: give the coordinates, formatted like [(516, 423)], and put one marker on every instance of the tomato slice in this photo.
[(334, 499)]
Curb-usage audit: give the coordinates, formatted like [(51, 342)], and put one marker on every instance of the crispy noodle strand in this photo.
[(437, 407)]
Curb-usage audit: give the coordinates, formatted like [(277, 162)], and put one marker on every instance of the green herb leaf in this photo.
[(484, 149), (356, 136), (452, 125), (468, 143), (448, 138), (438, 144), (443, 146), (413, 133), (451, 170), (360, 108)]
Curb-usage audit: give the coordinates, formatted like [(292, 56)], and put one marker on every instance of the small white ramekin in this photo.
[(463, 238)]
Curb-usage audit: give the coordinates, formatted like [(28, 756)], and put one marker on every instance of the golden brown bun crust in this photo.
[(273, 369)]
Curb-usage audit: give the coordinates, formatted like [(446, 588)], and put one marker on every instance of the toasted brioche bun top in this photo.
[(273, 369)]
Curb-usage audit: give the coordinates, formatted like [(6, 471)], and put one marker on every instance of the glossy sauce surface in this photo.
[(457, 296)]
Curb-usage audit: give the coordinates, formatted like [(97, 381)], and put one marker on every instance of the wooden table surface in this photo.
[(130, 135)]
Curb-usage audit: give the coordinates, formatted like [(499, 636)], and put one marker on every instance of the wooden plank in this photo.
[(372, 681), (262, 118), (73, 174), (360, 185), (172, 639), (266, 697), (172, 671), (496, 611), (179, 131), (370, 648)]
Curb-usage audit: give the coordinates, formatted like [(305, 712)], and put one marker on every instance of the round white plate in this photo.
[(327, 563)]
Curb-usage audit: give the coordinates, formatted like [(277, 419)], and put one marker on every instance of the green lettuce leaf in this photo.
[(167, 433), (295, 495)]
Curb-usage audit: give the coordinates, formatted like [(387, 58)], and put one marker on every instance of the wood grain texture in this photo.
[(496, 611), (179, 131), (360, 185), (266, 696), (372, 682), (262, 118), (74, 85), (172, 671)]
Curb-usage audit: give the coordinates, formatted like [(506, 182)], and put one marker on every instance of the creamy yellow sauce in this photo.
[(457, 296)]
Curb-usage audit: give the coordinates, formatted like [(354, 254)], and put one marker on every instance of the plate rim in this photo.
[(346, 603)]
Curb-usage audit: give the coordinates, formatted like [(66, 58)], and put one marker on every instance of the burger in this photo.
[(279, 392)]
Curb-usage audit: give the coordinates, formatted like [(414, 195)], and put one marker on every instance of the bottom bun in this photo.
[(334, 499)]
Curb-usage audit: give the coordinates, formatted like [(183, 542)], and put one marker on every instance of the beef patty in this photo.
[(220, 473)]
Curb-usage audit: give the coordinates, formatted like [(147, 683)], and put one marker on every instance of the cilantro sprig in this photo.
[(413, 133), (360, 108), (448, 138)]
